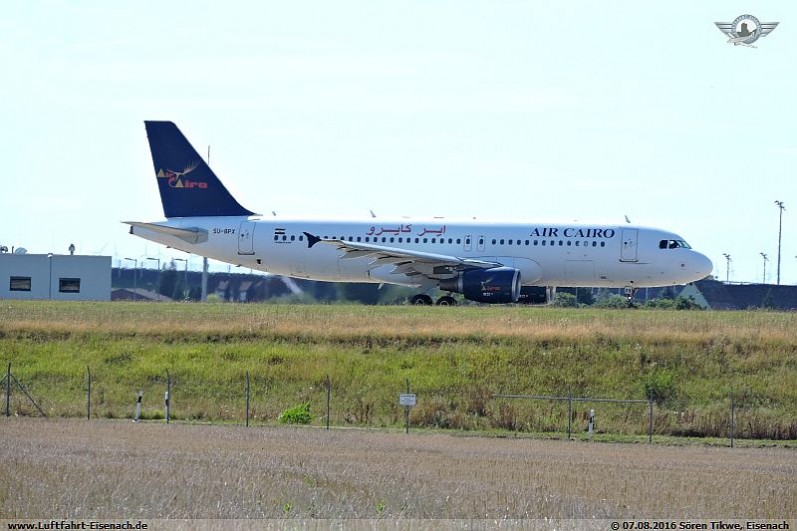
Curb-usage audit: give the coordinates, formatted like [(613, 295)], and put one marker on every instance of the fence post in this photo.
[(591, 424), (247, 398), (88, 394), (569, 413), (328, 393), (138, 406), (8, 391), (732, 417), (650, 427), (168, 393), (407, 412)]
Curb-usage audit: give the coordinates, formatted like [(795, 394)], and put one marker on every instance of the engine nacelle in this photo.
[(537, 294), (499, 285)]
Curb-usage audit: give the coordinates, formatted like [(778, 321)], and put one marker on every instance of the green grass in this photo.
[(455, 359)]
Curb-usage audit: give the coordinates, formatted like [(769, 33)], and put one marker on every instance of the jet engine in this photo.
[(498, 285)]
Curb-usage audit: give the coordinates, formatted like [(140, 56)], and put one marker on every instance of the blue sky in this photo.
[(494, 109)]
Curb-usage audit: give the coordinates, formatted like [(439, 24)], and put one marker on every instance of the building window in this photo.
[(69, 285), (20, 284)]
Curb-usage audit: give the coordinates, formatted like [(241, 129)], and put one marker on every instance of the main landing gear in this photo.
[(426, 300)]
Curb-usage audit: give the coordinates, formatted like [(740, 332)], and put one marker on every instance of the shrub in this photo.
[(296, 415), (565, 300), (612, 301), (659, 386)]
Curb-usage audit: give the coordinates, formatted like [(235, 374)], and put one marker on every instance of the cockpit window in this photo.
[(673, 244)]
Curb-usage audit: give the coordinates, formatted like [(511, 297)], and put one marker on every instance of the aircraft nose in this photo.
[(702, 266)]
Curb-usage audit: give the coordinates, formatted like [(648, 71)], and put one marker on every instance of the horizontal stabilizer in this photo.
[(190, 235)]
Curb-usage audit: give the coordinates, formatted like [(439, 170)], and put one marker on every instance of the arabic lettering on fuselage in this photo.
[(404, 229)]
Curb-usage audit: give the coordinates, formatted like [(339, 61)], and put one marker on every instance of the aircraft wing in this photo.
[(411, 263)]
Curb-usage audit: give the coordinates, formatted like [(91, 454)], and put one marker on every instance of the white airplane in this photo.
[(487, 262)]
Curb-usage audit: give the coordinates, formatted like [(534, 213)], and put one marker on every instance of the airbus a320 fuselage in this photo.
[(491, 262)]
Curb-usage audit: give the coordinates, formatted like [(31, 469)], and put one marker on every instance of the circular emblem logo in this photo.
[(747, 26)]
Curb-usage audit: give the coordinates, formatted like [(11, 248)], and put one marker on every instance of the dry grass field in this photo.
[(455, 358), (117, 469)]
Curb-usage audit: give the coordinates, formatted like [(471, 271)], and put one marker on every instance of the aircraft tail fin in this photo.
[(187, 185)]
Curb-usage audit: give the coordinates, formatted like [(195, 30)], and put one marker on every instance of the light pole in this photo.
[(766, 259), (158, 286), (135, 275), (185, 279), (727, 267), (781, 207)]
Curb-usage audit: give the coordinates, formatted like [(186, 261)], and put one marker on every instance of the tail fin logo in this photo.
[(176, 179)]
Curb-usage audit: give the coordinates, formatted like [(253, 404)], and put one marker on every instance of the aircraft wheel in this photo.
[(446, 301), (421, 300)]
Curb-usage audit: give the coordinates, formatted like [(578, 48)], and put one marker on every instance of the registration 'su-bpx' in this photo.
[(485, 262)]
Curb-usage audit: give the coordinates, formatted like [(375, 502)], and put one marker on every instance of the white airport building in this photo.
[(55, 276)]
